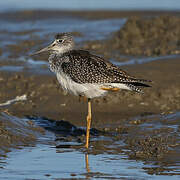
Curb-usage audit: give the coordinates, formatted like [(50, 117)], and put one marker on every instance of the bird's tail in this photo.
[(137, 86)]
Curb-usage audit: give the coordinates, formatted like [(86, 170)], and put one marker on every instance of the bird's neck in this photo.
[(57, 55), (61, 51)]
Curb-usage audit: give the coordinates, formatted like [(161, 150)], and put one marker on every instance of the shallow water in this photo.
[(43, 161), (47, 160), (44, 30), (134, 61), (65, 24)]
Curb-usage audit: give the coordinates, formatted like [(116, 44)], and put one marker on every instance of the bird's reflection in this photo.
[(87, 164)]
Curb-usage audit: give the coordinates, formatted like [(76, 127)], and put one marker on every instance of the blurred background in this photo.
[(91, 5), (134, 136)]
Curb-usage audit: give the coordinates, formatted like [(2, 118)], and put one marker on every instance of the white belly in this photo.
[(86, 89)]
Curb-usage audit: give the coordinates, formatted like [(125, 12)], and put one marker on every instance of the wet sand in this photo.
[(44, 89), (126, 116), (143, 36), (16, 133)]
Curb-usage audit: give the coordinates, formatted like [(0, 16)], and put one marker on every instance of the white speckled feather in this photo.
[(85, 74)]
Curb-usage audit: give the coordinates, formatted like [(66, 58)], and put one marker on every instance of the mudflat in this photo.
[(148, 124)]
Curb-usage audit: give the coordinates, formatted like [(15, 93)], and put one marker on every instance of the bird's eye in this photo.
[(59, 40)]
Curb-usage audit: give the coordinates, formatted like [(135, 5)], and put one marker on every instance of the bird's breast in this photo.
[(88, 90), (68, 84)]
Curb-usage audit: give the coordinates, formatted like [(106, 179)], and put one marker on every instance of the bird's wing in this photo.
[(84, 67)]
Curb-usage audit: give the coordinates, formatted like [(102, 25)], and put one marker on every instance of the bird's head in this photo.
[(63, 43)]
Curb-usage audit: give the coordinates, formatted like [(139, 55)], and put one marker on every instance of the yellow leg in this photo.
[(87, 163), (88, 123)]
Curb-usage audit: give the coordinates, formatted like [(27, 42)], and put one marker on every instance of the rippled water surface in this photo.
[(47, 160), (44, 160)]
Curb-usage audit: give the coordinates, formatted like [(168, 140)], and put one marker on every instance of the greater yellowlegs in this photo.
[(85, 74)]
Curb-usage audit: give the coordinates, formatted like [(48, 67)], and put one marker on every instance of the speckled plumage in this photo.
[(82, 73), (83, 67), (85, 74)]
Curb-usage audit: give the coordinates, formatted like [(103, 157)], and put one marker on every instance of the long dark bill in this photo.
[(48, 48)]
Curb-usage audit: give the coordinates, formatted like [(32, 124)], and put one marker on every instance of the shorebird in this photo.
[(84, 74)]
